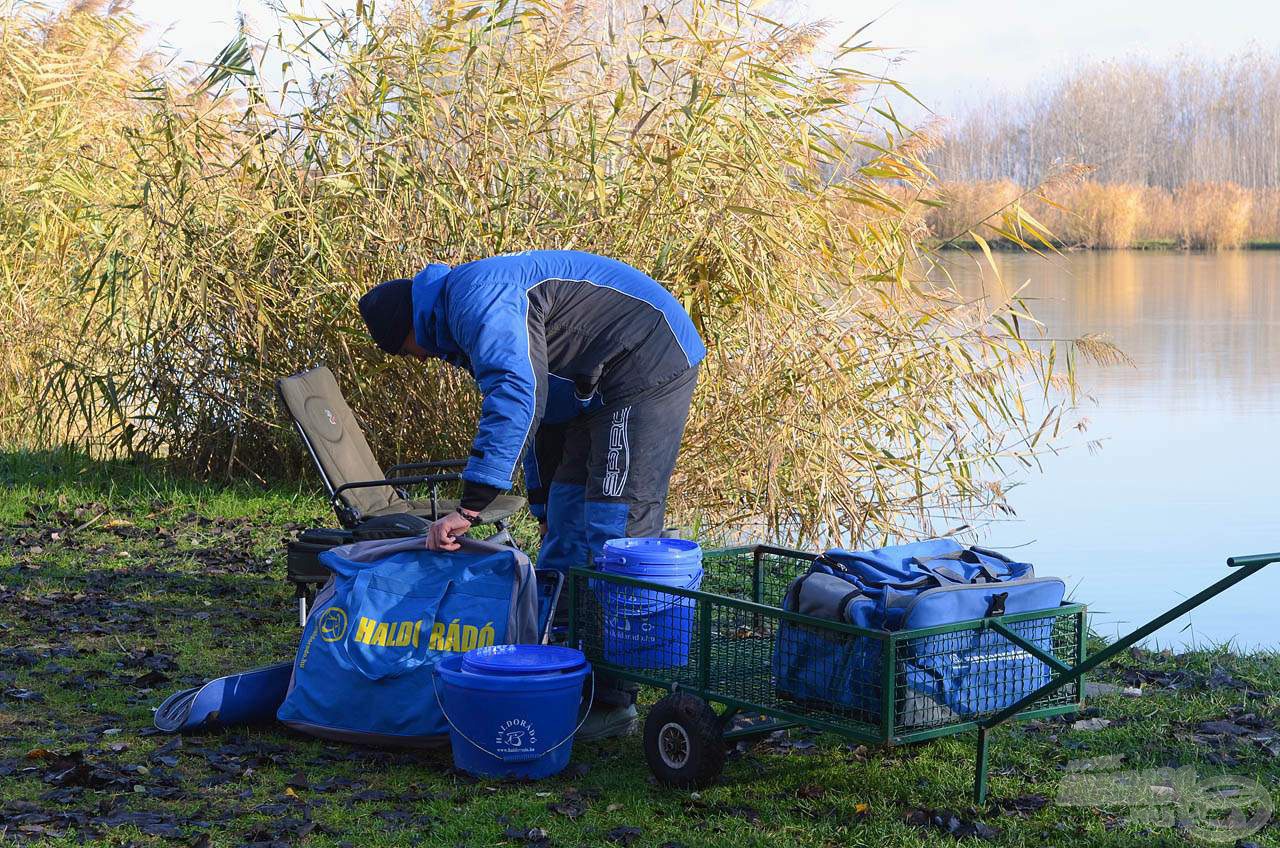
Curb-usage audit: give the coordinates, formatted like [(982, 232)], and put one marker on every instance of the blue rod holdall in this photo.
[(251, 697)]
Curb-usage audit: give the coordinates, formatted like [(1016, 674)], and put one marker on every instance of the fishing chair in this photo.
[(358, 488)]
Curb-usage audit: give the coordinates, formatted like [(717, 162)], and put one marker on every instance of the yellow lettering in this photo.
[(365, 631), (417, 628), (453, 639), (405, 634), (380, 635), (485, 638), (436, 642)]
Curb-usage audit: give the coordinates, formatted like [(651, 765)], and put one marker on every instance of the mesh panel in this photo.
[(807, 668), (956, 677), (650, 633)]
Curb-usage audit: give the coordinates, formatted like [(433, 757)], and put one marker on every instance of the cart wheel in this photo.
[(683, 743)]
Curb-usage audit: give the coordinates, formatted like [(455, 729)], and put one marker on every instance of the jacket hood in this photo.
[(429, 327)]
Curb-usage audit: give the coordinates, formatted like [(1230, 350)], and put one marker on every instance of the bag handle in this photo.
[(516, 758), (865, 583), (411, 661), (967, 556), (941, 572)]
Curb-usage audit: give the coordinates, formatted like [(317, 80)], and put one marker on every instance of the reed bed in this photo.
[(172, 240), (1091, 214), (976, 207), (1213, 215)]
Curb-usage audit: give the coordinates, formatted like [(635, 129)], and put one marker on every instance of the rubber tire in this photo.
[(706, 742)]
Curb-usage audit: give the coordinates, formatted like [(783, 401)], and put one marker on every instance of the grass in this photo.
[(186, 580)]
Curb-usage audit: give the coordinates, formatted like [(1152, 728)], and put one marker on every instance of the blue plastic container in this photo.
[(648, 628), (512, 709)]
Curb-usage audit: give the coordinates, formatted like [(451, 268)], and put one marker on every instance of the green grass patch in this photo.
[(120, 584)]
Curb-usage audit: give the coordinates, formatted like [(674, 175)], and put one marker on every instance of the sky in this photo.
[(952, 54)]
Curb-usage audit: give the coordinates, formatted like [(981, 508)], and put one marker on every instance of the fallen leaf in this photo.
[(527, 836), (1022, 804), (952, 823), (623, 835), (1222, 728), (570, 806)]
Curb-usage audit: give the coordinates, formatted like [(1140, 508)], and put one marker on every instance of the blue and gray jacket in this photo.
[(547, 334)]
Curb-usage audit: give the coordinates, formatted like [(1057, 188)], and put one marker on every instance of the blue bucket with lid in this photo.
[(512, 709), (648, 628)]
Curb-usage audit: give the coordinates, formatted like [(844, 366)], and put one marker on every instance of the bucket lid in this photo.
[(655, 547), (522, 659)]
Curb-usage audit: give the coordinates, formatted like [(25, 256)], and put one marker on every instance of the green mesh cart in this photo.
[(717, 645)]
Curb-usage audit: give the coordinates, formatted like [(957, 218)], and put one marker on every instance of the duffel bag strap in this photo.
[(866, 584), (987, 573), (1001, 564), (941, 572)]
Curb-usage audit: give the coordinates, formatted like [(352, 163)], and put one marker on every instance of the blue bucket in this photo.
[(648, 628), (512, 709)]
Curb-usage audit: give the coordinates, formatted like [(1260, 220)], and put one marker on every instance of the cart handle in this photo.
[(1248, 564), (1252, 559)]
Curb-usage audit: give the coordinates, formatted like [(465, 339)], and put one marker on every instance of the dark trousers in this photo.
[(612, 468)]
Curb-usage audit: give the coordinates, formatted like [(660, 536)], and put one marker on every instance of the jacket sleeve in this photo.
[(533, 482), (540, 464), (491, 323)]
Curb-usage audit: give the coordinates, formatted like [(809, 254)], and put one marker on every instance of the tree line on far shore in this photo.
[(1183, 152)]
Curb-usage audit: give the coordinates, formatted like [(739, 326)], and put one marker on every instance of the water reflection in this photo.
[(1189, 466)]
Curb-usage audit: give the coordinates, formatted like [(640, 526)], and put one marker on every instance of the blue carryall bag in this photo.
[(393, 609), (905, 587)]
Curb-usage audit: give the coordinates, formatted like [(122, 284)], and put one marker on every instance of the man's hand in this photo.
[(542, 529), (444, 532)]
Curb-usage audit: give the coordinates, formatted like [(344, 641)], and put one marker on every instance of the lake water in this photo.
[(1189, 468)]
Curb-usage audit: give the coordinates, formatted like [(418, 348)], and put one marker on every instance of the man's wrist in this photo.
[(470, 515), (477, 496)]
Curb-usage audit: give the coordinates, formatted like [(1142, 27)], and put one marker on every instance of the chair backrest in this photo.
[(335, 440)]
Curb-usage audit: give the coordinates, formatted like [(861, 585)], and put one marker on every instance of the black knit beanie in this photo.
[(387, 310)]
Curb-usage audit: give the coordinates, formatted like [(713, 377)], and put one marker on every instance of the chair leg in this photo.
[(306, 594), (502, 535)]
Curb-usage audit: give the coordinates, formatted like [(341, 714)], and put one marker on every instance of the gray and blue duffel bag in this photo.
[(907, 587), (364, 670)]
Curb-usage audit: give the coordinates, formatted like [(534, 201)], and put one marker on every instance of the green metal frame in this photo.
[(885, 731)]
